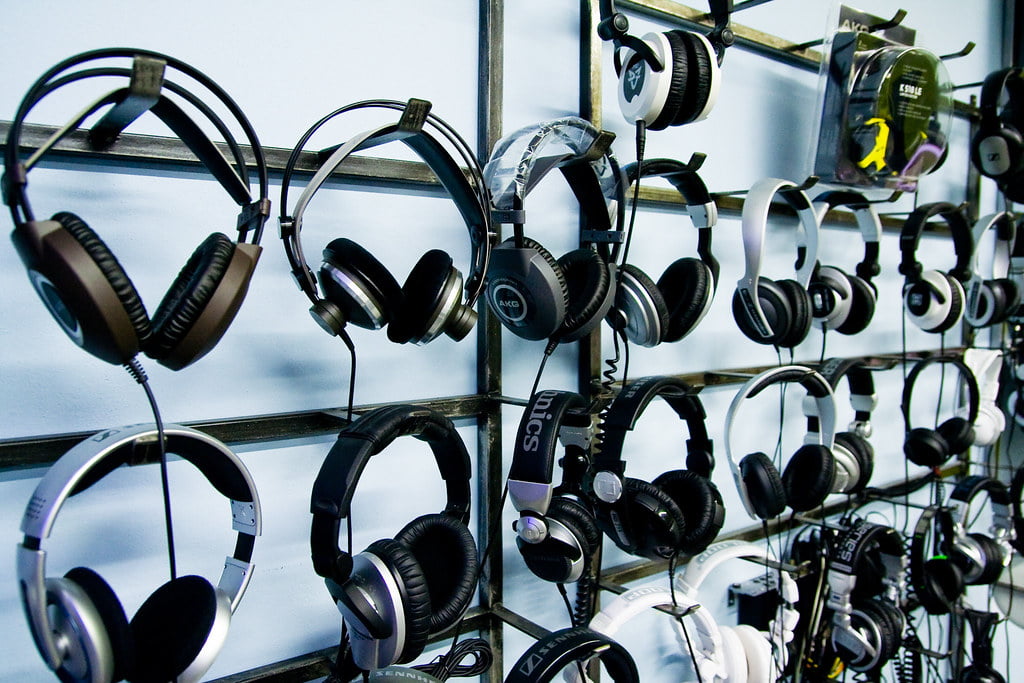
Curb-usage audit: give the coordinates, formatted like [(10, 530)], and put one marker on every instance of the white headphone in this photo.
[(986, 364), (991, 301)]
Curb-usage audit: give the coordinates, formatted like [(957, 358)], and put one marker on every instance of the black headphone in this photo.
[(667, 79), (841, 301), (769, 311), (997, 149), (555, 533), (810, 474), (980, 557), (932, 447), (991, 301), (670, 309), (935, 300), (867, 626), (983, 626), (681, 510), (399, 591), (532, 293), (78, 623), (356, 287), (73, 271), (854, 456), (544, 659), (1017, 516)]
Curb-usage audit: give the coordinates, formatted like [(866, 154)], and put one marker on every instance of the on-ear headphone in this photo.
[(556, 534), (854, 456), (983, 625), (544, 659), (934, 300), (73, 271), (932, 447), (398, 591), (769, 311), (77, 621), (991, 301), (670, 309), (533, 294), (681, 510), (997, 149), (356, 287), (809, 476), (987, 366), (840, 301), (667, 79), (867, 630)]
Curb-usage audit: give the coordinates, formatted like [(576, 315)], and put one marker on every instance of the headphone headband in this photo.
[(549, 655), (970, 487), (910, 236), (863, 398), (1005, 234), (868, 221), (973, 392), (992, 88)]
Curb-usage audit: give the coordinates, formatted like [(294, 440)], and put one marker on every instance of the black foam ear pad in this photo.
[(764, 485), (958, 434), (189, 294), (956, 305), (555, 558), (925, 447), (864, 453), (808, 476), (588, 282), (115, 622), (1007, 297), (802, 313), (993, 560), (425, 294), (656, 523), (862, 307), (111, 269), (446, 553), (580, 520), (685, 287), (646, 335), (939, 586), (698, 78), (889, 637), (415, 595), (680, 67), (344, 259), (777, 311), (701, 504), (171, 628)]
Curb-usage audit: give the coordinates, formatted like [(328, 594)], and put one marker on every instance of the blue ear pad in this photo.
[(862, 307), (171, 627), (685, 287), (864, 453), (777, 310), (656, 524), (414, 595), (764, 485), (802, 313), (115, 622), (588, 284), (424, 295), (808, 476), (701, 504), (375, 294)]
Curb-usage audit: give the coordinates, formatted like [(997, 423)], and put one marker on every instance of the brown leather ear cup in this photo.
[(698, 77), (446, 553), (802, 313), (862, 307), (700, 502), (588, 283), (415, 596), (808, 476), (111, 612), (864, 453), (777, 310), (424, 295), (764, 485), (344, 258), (656, 524), (685, 287)]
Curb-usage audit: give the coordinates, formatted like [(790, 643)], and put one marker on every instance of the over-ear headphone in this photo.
[(356, 287), (809, 476), (867, 630), (932, 447), (556, 533), (769, 311), (983, 625), (1017, 515), (667, 79), (544, 659), (681, 510), (533, 294), (73, 271), (670, 309), (937, 581), (934, 300), (854, 456), (990, 301), (997, 149), (987, 366), (841, 301), (77, 621), (980, 557), (398, 591)]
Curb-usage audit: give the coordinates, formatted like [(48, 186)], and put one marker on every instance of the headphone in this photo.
[(555, 533), (544, 659), (867, 630), (681, 510), (533, 294), (986, 365), (983, 625), (356, 287), (667, 79), (935, 300), (768, 311), (398, 591), (77, 621), (670, 309), (853, 454), (73, 271), (1017, 516), (840, 301), (765, 652), (934, 447), (811, 472), (997, 149), (992, 301)]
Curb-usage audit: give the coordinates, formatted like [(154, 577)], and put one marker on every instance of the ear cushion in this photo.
[(764, 485), (1007, 289), (588, 282), (777, 310), (424, 295), (758, 653), (925, 447), (680, 67), (698, 80), (446, 553), (958, 434), (171, 628), (807, 478), (802, 314), (343, 256), (956, 305), (733, 655), (639, 324), (889, 641), (111, 269), (685, 286), (581, 521), (939, 585), (862, 307), (415, 594), (656, 524), (993, 566), (115, 622), (864, 453), (189, 294), (699, 500)]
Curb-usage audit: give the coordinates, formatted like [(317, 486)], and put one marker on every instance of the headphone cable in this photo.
[(672, 561), (352, 371)]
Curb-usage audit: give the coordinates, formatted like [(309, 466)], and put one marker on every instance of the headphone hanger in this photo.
[(614, 26)]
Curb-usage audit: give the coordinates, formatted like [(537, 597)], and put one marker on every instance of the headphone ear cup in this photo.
[(926, 447), (831, 297), (686, 287), (430, 296), (692, 103), (526, 289), (862, 307), (657, 524), (589, 287), (700, 503), (992, 556), (800, 304), (863, 454), (1003, 141), (764, 486), (641, 306), (758, 653), (358, 284), (679, 70), (958, 435), (873, 612), (808, 476), (414, 595), (777, 311), (111, 614), (940, 585), (734, 655), (553, 559)]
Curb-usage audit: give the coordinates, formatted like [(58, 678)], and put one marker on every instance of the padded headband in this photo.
[(973, 393), (910, 236), (868, 221), (1005, 233), (970, 487), (992, 88), (854, 541), (704, 564), (862, 387), (549, 655)]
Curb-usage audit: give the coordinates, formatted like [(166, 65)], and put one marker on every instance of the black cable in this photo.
[(352, 371), (548, 350), (672, 560), (450, 664), (572, 620)]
